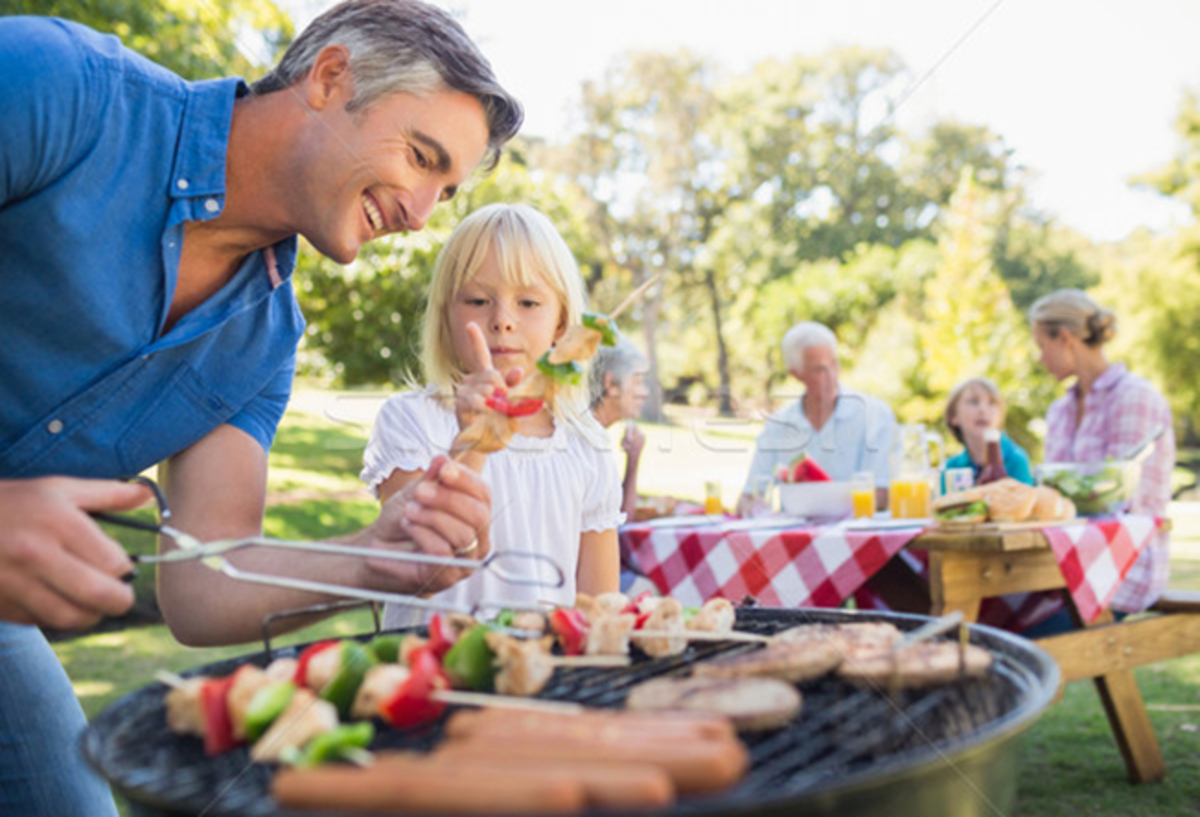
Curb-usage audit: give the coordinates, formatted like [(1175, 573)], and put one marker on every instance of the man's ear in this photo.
[(329, 80)]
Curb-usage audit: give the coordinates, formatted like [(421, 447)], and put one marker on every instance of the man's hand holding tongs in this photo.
[(445, 513)]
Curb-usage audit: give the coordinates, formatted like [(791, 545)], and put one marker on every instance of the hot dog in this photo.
[(693, 766), (398, 782), (631, 726)]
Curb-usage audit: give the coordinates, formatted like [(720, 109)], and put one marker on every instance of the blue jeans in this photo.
[(42, 770)]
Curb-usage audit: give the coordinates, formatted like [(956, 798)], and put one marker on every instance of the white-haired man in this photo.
[(842, 430)]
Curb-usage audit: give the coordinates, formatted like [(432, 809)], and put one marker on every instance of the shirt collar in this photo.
[(1107, 380), (199, 168)]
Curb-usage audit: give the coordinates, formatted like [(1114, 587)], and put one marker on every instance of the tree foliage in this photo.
[(197, 40)]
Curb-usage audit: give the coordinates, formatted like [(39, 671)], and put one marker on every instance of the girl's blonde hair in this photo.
[(993, 391), (1073, 311), (529, 250)]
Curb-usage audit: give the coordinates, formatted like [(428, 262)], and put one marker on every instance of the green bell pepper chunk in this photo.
[(601, 323), (569, 372), (267, 705), (386, 648), (333, 745), (470, 662), (505, 618), (340, 691)]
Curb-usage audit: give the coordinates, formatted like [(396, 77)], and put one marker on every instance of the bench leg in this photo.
[(1126, 713), (1131, 726)]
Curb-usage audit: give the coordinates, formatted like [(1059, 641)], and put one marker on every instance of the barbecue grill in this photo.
[(948, 750)]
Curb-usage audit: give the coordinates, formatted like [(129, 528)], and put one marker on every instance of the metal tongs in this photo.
[(212, 555)]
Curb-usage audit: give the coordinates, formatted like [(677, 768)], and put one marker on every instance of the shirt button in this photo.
[(212, 205), (182, 184), (55, 426)]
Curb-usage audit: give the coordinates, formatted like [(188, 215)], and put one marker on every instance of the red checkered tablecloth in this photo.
[(1094, 555), (799, 566)]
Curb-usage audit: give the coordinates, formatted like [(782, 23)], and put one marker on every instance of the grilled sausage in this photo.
[(622, 725), (693, 766), (605, 785), (398, 782)]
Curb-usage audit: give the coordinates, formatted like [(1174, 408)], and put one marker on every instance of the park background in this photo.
[(782, 189)]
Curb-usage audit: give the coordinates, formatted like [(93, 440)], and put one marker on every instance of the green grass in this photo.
[(1071, 766)]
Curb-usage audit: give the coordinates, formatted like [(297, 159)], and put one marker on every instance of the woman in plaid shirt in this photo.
[(1106, 413)]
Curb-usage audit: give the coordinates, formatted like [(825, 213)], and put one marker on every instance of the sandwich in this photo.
[(966, 507), (1009, 500), (1051, 506)]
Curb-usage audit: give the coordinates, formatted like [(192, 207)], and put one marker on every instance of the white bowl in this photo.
[(816, 499)]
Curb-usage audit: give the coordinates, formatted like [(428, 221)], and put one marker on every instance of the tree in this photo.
[(195, 40), (644, 167)]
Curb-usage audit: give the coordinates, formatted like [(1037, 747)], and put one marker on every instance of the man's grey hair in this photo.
[(401, 46), (805, 335), (619, 361)]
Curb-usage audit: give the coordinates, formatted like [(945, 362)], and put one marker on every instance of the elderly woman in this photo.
[(1106, 413), (618, 392)]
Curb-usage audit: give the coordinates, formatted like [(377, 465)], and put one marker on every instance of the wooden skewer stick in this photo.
[(171, 679), (590, 660), (702, 635), (633, 297), (506, 702)]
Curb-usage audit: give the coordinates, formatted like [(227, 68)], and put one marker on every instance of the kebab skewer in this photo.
[(490, 431)]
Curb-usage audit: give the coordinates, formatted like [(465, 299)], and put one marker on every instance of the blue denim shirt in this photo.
[(104, 157)]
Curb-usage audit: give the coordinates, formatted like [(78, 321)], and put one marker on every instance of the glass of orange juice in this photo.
[(909, 498), (862, 494), (712, 497)]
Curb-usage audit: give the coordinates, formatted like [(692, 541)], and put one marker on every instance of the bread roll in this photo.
[(1009, 500), (1051, 506)]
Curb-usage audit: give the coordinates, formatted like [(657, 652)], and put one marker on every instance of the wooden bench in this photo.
[(965, 569)]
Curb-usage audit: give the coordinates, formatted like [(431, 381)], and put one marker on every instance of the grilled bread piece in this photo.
[(925, 664), (792, 661), (850, 640), (750, 703)]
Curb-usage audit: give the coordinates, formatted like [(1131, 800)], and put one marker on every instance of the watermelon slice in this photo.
[(804, 469)]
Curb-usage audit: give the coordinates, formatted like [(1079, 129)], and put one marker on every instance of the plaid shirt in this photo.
[(1119, 412)]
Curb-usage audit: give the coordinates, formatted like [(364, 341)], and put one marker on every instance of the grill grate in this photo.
[(843, 737)]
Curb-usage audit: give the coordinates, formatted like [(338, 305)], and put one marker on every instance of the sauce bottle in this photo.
[(993, 468)]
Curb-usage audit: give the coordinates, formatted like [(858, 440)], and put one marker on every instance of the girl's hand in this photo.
[(481, 380)]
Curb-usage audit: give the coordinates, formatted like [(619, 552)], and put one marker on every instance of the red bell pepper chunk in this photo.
[(571, 628), (521, 407), (301, 676), (439, 638), (635, 604), (218, 728), (413, 704)]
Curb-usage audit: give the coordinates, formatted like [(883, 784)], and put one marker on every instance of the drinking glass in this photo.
[(862, 494), (712, 497)]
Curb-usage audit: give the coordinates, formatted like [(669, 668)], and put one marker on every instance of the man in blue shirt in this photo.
[(842, 430), (147, 237)]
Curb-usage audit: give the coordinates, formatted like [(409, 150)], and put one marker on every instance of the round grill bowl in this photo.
[(945, 752)]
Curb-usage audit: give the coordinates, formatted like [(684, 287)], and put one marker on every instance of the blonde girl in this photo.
[(504, 289)]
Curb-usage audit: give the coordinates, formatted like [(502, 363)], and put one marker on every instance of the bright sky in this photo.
[(1085, 91)]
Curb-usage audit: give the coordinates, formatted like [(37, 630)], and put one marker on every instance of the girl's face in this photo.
[(1058, 354), (976, 412), (520, 323)]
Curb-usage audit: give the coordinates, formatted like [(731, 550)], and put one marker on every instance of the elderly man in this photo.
[(148, 232), (843, 431)]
